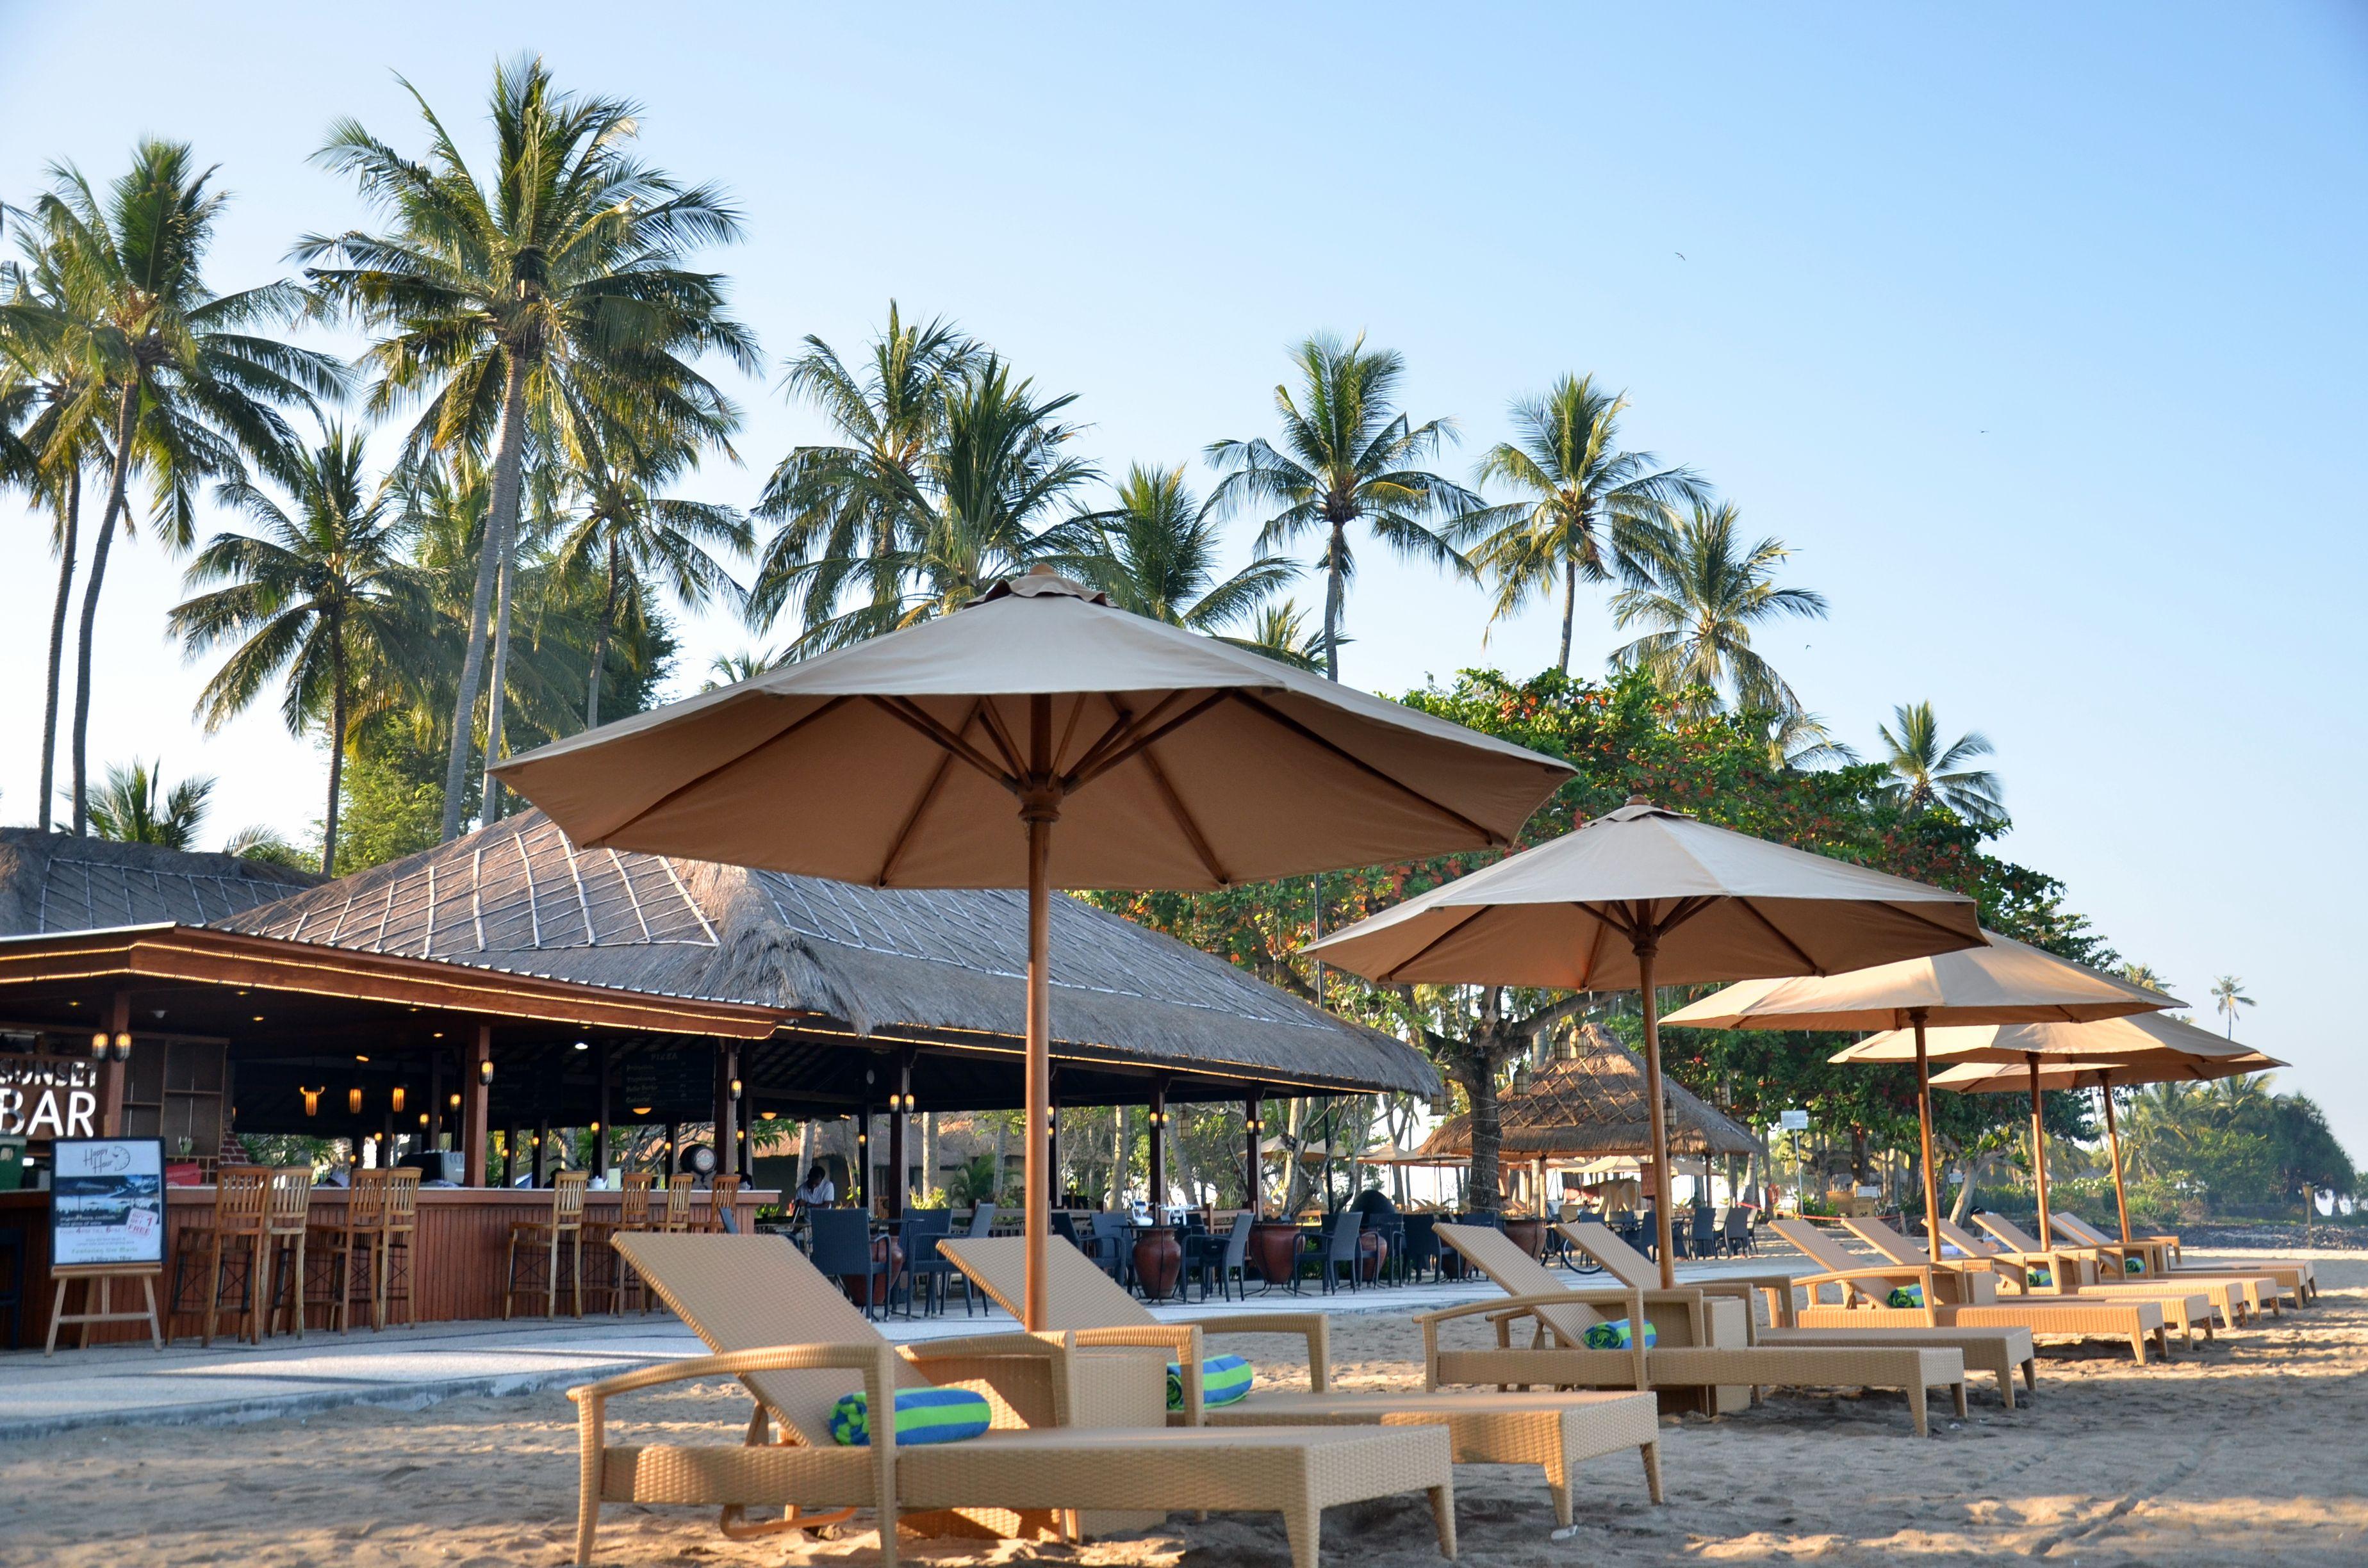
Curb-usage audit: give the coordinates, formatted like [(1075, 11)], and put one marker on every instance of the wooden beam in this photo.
[(111, 1071)]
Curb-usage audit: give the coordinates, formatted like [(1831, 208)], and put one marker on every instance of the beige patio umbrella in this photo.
[(944, 754), (1642, 897), (2006, 982), (2028, 1053)]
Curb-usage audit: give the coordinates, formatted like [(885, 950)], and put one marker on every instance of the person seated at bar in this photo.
[(817, 1191)]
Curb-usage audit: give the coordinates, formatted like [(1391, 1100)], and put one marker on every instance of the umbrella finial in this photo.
[(1040, 580)]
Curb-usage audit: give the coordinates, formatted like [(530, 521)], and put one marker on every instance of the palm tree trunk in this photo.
[(1334, 592), (337, 746), (509, 457), (497, 687), (600, 644), (1569, 608), (70, 526), (118, 481), (1488, 1133)]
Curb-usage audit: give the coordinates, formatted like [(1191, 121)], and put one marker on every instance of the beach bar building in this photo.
[(509, 983)]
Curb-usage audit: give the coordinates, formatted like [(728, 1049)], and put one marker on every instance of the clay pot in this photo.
[(1530, 1235), (1158, 1259), (1274, 1250)]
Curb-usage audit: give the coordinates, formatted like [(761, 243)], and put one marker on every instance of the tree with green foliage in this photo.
[(1702, 591), (1347, 455), (134, 807), (1927, 773), (556, 283), (2227, 997), (1155, 552), (1586, 505), (173, 374), (319, 597)]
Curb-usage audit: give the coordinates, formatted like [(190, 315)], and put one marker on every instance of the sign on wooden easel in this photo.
[(107, 1222)]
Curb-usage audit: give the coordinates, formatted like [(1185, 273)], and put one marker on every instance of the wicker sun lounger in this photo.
[(1056, 1448), (2002, 1352), (2289, 1277), (2184, 1307), (1554, 1431), (1865, 1290), (1685, 1356), (2092, 1279)]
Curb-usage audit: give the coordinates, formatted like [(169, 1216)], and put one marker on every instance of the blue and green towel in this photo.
[(1904, 1296), (1617, 1334), (1224, 1380), (922, 1415), (2039, 1279), (2134, 1266)]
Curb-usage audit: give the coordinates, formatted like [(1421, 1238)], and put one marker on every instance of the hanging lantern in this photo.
[(395, 1099), (98, 1045), (485, 1071), (354, 1101), (311, 1098)]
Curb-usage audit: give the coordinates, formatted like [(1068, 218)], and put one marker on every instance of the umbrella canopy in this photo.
[(1594, 1103), (1642, 897), (2005, 982), (944, 756), (2164, 1063), (2135, 1037)]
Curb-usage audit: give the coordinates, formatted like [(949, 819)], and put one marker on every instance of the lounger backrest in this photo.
[(1822, 1249), (2016, 1241), (1620, 1260), (1516, 1273), (1895, 1248), (1082, 1296), (1964, 1241), (2075, 1229), (748, 1292)]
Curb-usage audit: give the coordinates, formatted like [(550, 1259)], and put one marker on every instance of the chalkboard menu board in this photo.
[(107, 1203), (681, 1084)]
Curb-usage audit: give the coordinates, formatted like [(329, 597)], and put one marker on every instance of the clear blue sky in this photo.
[(2038, 334)]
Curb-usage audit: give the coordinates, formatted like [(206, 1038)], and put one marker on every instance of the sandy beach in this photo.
[(2248, 1449)]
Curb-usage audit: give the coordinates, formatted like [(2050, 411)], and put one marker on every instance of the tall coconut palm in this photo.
[(1347, 455), (557, 279), (1584, 507), (1703, 590), (1282, 633), (843, 509), (2143, 974), (1924, 772), (1155, 553), (166, 368), (620, 528), (2228, 996), (134, 807), (319, 595), (1799, 741)]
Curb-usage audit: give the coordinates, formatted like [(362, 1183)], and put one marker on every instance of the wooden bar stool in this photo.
[(394, 1257), (563, 1230), (225, 1249), (720, 1197), (680, 1191), (345, 1253), (286, 1217), (616, 1274)]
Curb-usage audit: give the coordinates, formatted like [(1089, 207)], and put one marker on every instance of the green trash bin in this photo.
[(12, 1162)]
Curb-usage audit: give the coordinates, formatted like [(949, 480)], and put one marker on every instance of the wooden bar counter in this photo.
[(462, 1250)]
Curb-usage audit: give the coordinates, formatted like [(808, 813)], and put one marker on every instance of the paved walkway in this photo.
[(409, 1367)]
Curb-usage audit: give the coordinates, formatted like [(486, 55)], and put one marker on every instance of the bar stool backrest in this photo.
[(365, 1200), (722, 1196), (240, 1198), (567, 1197), (634, 1208), (403, 1197), (290, 1202), (677, 1210)]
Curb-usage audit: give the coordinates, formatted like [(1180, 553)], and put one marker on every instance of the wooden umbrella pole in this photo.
[(2039, 1145), (2113, 1142), (1644, 954), (1924, 1128), (1039, 808)]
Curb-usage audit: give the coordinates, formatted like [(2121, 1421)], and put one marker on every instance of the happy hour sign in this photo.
[(106, 1203)]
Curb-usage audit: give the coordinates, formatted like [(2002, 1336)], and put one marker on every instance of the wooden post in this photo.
[(1050, 1187), (434, 1139), (1251, 1156), (727, 1069), (674, 1148), (2039, 1151), (111, 1071), (899, 1178), (1157, 1172), (600, 1111), (862, 1173), (474, 1093), (543, 1150)]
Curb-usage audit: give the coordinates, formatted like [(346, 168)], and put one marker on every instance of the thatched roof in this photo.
[(55, 882), (1592, 1103), (517, 897)]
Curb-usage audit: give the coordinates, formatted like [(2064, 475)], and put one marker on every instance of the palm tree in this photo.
[(2227, 996), (1584, 503), (844, 508), (1703, 590), (1347, 455), (556, 284), (163, 365), (1925, 773), (630, 535), (133, 807), (2144, 975), (731, 669), (1799, 741), (319, 595), (1155, 553), (1282, 633)]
